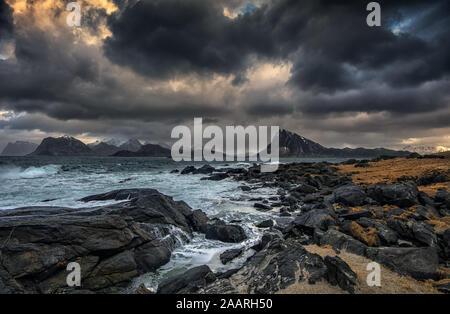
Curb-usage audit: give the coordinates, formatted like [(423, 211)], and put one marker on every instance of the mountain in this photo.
[(425, 150), (62, 146), (294, 145), (114, 142), (104, 149), (149, 150), (132, 145), (19, 148)]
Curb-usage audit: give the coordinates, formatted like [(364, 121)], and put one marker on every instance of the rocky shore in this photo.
[(334, 222), (112, 244), (330, 221)]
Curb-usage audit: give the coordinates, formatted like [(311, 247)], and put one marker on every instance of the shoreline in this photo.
[(327, 217)]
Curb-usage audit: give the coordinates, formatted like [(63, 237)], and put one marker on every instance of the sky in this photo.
[(136, 69)]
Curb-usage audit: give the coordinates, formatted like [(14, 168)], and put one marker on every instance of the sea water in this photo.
[(62, 181)]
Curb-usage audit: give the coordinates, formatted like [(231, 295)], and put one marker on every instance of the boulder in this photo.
[(188, 169), (341, 241), (356, 215), (265, 224), (205, 169), (262, 207), (339, 273), (216, 177), (225, 233), (350, 195), (419, 263), (316, 218), (229, 255), (187, 282), (386, 235), (403, 195)]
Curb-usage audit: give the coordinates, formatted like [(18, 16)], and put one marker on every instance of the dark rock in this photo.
[(339, 273), (306, 189), (342, 241), (279, 265), (424, 233), (357, 215), (316, 218), (113, 244), (262, 207), (351, 195), (265, 224), (225, 233), (386, 235), (205, 169), (216, 177), (419, 263), (188, 169), (403, 195), (245, 188), (198, 219), (188, 281), (175, 171), (229, 255), (443, 287)]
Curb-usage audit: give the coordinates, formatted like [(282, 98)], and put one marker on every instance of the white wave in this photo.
[(14, 173)]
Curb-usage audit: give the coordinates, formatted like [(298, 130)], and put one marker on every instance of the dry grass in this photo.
[(367, 235), (441, 224), (388, 171), (391, 282)]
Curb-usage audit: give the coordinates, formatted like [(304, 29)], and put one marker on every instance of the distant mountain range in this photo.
[(291, 145), (294, 145), (19, 148)]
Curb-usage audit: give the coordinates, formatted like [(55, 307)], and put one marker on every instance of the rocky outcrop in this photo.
[(112, 244), (403, 195), (187, 282)]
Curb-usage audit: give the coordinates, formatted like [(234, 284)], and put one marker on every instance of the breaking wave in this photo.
[(13, 173)]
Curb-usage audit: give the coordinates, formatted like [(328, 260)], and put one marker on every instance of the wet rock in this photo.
[(351, 195), (187, 282), (262, 207), (245, 188), (205, 169), (113, 244), (339, 273), (279, 265), (188, 169), (229, 255), (265, 224), (216, 177), (198, 219), (225, 233), (403, 195), (306, 189)]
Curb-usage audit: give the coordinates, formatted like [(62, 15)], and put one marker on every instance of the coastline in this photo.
[(324, 211)]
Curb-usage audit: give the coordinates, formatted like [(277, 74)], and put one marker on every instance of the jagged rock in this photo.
[(216, 177), (279, 265), (198, 220), (187, 282), (225, 233), (387, 235), (188, 169), (262, 207), (339, 273), (229, 255), (265, 224), (316, 218), (342, 241), (403, 195), (112, 244), (357, 215), (351, 195), (419, 263)]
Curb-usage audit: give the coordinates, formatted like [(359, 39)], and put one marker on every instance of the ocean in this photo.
[(62, 181)]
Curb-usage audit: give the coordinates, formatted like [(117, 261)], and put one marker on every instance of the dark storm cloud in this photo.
[(339, 65), (6, 22)]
